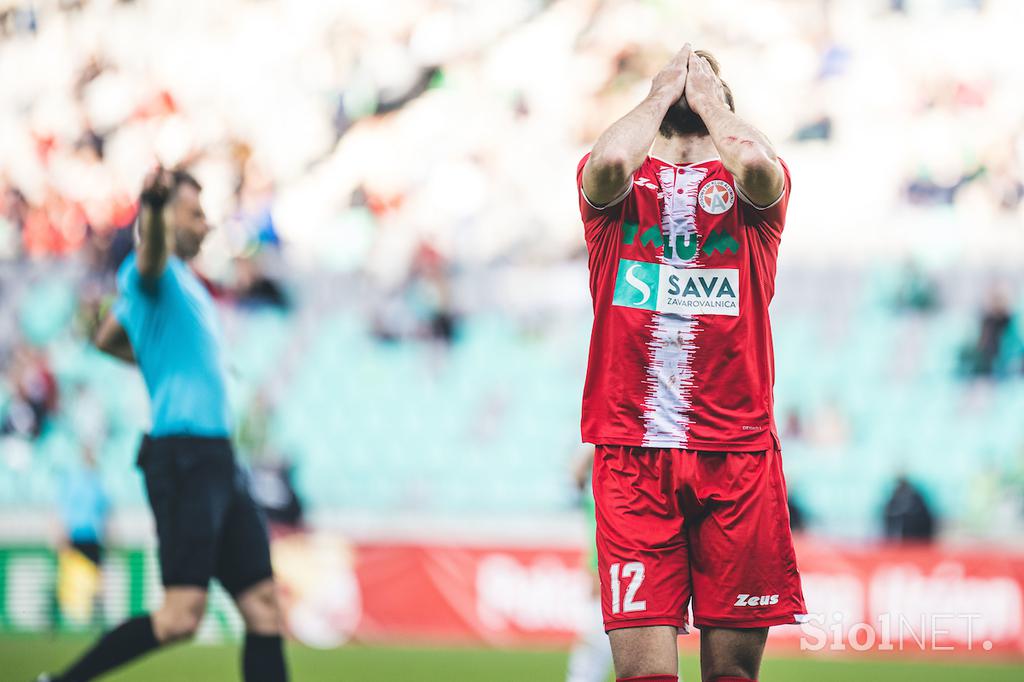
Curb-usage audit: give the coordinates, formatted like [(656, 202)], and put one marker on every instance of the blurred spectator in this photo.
[(84, 510), (917, 292), (819, 128), (432, 295), (13, 212), (792, 425), (251, 436), (925, 189), (830, 427), (274, 490), (254, 287), (272, 476), (17, 17), (907, 517), (797, 517), (590, 659), (422, 308), (987, 357), (35, 393)]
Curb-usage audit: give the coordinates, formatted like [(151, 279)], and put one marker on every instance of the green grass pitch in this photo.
[(22, 657)]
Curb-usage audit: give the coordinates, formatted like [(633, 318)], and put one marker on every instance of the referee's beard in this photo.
[(187, 245)]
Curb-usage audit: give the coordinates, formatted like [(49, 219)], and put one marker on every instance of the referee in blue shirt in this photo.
[(206, 522)]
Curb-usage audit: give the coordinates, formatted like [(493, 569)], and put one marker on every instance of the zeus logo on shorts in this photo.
[(681, 291), (763, 600)]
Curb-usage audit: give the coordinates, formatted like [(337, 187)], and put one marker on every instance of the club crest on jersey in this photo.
[(716, 197)]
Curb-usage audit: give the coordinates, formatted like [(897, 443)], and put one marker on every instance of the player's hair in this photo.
[(716, 67), (182, 178), (680, 119)]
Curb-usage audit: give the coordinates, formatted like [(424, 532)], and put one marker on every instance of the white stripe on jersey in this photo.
[(674, 338)]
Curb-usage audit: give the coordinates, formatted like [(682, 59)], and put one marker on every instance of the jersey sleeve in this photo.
[(128, 276), (771, 219), (133, 290), (597, 219)]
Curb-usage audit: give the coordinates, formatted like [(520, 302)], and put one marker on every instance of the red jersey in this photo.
[(682, 270)]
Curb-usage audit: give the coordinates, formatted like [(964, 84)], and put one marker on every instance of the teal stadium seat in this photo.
[(489, 427)]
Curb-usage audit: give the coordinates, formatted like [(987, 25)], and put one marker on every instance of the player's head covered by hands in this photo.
[(681, 119)]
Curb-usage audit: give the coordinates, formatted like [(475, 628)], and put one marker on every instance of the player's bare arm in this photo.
[(745, 151), (112, 339), (623, 147), (154, 240)]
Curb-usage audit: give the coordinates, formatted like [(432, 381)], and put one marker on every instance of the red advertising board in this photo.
[(882, 599)]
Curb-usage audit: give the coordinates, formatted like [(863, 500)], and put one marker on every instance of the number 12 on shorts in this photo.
[(634, 573)]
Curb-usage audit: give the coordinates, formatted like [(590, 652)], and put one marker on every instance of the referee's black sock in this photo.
[(129, 640), (263, 658)]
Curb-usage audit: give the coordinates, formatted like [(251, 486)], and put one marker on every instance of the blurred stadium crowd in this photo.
[(400, 259)]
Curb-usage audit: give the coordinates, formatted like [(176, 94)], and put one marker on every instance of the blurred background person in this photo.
[(991, 354), (84, 510), (590, 659), (272, 474), (35, 393), (908, 518)]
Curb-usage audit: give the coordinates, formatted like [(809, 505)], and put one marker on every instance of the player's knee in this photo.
[(739, 667), (179, 618), (644, 651), (731, 673), (260, 608), (176, 625)]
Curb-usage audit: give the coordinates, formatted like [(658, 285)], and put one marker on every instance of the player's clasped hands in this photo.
[(671, 80), (702, 84)]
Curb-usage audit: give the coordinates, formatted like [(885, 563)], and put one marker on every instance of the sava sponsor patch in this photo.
[(680, 291)]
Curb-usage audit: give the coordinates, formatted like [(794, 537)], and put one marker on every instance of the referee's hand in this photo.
[(156, 189)]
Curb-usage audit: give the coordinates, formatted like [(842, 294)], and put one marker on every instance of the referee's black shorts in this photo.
[(207, 524)]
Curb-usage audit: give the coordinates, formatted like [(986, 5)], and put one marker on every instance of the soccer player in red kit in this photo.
[(683, 205)]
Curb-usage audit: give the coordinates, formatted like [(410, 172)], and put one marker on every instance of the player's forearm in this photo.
[(623, 147), (626, 142), (745, 151), (122, 353), (111, 339), (154, 241)]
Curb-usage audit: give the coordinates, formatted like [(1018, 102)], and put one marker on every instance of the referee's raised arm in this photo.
[(153, 240)]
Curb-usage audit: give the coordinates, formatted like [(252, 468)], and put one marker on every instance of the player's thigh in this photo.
[(731, 652), (641, 545), (188, 485), (643, 651), (742, 560), (243, 557)]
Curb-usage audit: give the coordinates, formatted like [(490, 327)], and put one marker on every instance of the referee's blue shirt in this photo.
[(172, 325)]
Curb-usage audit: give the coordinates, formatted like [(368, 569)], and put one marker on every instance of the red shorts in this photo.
[(714, 526)]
